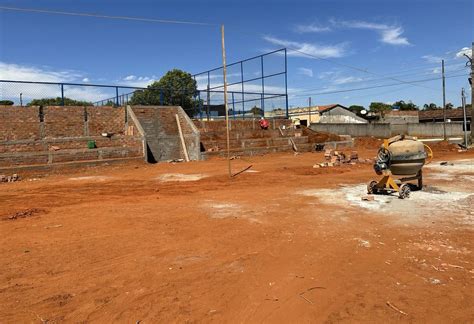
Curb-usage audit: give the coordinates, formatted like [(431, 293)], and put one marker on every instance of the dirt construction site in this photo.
[(281, 242)]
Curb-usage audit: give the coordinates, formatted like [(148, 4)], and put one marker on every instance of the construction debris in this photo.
[(368, 198), (25, 213), (336, 158), (12, 178)]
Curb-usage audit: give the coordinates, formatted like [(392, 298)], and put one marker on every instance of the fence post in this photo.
[(161, 97), (233, 106), (200, 105), (116, 97), (62, 94)]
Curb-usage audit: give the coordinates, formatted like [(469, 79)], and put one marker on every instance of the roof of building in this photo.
[(329, 107), (438, 114)]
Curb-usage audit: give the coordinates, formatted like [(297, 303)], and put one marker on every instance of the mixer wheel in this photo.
[(404, 191), (372, 187)]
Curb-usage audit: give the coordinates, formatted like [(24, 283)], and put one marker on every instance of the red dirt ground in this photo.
[(121, 246)]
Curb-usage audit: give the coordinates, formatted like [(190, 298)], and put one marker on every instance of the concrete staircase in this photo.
[(252, 141), (158, 124)]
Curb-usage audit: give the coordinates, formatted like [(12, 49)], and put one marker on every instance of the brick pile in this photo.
[(12, 178), (337, 158)]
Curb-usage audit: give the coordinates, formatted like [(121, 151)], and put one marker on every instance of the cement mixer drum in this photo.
[(401, 156), (407, 157)]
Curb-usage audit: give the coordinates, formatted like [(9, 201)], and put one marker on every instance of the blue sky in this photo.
[(392, 40)]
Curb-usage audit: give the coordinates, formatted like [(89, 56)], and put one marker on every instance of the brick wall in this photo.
[(53, 134), (64, 121), (105, 120), (18, 123), (219, 125)]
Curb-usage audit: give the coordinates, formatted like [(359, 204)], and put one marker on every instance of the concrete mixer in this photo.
[(402, 157)]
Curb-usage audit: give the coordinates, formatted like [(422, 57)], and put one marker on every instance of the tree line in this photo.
[(381, 107)]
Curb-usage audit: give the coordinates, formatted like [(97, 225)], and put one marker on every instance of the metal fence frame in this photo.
[(234, 97)]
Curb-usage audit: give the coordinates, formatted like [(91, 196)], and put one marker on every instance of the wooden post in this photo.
[(224, 66), (183, 143)]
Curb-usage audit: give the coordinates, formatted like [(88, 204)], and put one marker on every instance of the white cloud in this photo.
[(10, 71), (137, 81), (130, 78), (389, 34), (11, 91), (344, 80), (432, 58), (326, 74), (392, 36), (312, 28), (297, 48), (305, 71), (464, 50), (86, 80)]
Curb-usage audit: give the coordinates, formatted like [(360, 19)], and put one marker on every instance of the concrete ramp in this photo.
[(160, 129)]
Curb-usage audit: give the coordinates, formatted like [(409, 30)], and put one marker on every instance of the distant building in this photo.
[(338, 114), (333, 113), (398, 117), (437, 115)]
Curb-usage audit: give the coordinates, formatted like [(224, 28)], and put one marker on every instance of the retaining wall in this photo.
[(388, 130), (56, 134)]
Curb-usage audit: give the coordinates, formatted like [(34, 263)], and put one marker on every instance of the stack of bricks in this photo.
[(11, 178), (336, 158)]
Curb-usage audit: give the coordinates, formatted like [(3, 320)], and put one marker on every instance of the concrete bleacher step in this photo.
[(70, 164), (15, 159), (254, 142), (249, 151), (245, 134)]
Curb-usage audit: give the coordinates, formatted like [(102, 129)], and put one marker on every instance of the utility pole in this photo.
[(444, 100), (224, 68), (472, 92), (309, 111), (463, 101)]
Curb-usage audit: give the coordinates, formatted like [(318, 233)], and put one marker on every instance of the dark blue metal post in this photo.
[(117, 103), (286, 84), (62, 94), (242, 83), (200, 105), (233, 105), (161, 97)]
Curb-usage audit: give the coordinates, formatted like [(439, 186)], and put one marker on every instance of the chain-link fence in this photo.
[(256, 87)]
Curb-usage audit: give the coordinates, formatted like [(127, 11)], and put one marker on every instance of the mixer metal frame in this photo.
[(388, 184)]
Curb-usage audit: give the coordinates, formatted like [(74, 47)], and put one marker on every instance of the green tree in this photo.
[(356, 109), (6, 103), (256, 111), (402, 105), (449, 105), (176, 87), (57, 102), (379, 107), (430, 106)]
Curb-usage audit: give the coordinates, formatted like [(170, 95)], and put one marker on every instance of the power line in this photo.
[(82, 14), (414, 82), (359, 69)]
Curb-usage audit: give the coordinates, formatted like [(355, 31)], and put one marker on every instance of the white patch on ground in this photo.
[(419, 203), (91, 178), (456, 167), (180, 177), (251, 171), (363, 243), (229, 210)]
